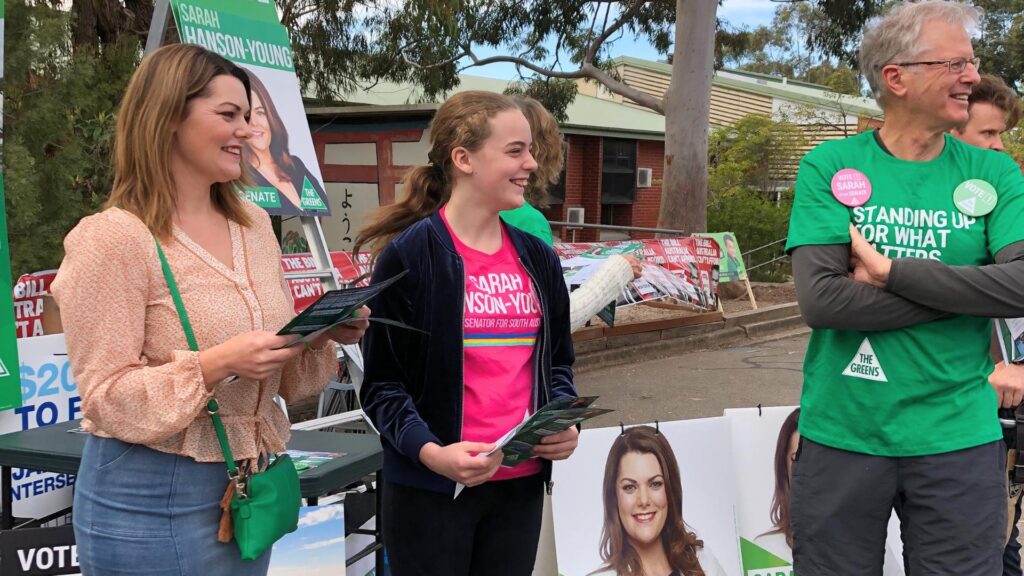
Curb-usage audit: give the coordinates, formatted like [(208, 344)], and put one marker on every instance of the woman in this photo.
[(496, 346), (268, 153), (548, 149), (644, 533), (152, 472), (785, 453)]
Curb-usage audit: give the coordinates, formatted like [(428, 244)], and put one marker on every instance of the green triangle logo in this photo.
[(759, 562), (310, 199)]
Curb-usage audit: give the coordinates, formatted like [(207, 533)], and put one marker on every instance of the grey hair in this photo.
[(894, 37)]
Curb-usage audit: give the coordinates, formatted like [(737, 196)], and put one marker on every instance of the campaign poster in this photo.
[(316, 548), (10, 389), (764, 444), (29, 292), (661, 480), (692, 261), (39, 552), (49, 394), (730, 267), (282, 159)]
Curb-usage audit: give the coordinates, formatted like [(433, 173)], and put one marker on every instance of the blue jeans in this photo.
[(143, 512)]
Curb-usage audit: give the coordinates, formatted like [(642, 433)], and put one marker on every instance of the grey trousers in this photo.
[(952, 510)]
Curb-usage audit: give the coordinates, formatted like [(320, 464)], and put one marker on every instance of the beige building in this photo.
[(822, 114)]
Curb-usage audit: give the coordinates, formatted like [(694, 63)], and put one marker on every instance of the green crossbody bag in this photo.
[(263, 506)]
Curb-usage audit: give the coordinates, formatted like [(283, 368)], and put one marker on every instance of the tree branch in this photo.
[(587, 70), (606, 33)]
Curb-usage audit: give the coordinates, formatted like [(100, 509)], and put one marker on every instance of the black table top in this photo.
[(54, 449)]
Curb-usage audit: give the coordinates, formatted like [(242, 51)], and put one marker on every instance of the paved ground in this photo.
[(697, 384)]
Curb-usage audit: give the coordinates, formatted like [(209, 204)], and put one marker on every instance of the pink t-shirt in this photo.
[(500, 325)]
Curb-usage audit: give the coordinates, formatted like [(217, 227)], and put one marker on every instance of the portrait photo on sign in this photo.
[(282, 160), (653, 497), (765, 442)]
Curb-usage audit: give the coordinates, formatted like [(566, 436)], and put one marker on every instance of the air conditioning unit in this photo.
[(644, 177), (575, 216)]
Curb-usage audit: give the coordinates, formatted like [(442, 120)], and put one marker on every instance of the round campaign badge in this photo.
[(975, 198), (851, 187)]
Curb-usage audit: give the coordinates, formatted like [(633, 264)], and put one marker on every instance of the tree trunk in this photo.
[(83, 25), (684, 191)]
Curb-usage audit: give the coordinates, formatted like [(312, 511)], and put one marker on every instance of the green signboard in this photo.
[(10, 375)]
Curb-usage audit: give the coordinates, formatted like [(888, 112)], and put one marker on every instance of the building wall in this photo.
[(361, 165), (650, 154), (582, 186)]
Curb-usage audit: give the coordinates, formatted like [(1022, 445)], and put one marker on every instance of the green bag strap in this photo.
[(211, 406)]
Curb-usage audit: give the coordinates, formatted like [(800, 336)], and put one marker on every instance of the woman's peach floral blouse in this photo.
[(138, 379)]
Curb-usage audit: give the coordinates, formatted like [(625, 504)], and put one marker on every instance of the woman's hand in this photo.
[(255, 355), (867, 265), (558, 446), (462, 462), (635, 264), (347, 333)]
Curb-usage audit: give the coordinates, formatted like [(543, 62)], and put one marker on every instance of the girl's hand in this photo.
[(462, 462), (558, 446)]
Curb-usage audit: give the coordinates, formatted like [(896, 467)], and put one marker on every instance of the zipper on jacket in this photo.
[(462, 347), (538, 373)]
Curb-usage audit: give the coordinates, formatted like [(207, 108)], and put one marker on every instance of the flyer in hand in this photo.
[(337, 307), (556, 416), (1011, 338)]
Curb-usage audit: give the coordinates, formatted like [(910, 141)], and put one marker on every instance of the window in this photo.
[(618, 173), (556, 192)]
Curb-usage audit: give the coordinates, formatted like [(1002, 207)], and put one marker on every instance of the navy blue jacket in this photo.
[(412, 387)]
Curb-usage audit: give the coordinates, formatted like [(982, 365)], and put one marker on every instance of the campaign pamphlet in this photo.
[(305, 460), (337, 307), (558, 415)]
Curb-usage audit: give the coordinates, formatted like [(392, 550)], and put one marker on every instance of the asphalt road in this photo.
[(697, 384)]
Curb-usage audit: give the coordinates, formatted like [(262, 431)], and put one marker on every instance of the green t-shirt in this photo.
[(529, 219), (922, 389)]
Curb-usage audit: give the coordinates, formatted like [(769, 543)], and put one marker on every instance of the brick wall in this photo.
[(650, 154), (582, 185)]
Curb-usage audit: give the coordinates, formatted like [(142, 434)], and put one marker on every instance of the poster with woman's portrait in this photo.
[(280, 152), (282, 159), (658, 498), (765, 442)]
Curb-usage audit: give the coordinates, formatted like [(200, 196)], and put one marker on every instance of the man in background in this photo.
[(995, 108)]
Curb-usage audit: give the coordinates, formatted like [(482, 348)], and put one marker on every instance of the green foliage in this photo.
[(747, 194), (751, 155), (1001, 45), (790, 47), (555, 94), (1014, 141), (59, 106)]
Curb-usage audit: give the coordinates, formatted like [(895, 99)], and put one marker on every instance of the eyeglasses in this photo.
[(954, 65)]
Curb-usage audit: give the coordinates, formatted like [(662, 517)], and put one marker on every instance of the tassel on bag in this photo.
[(225, 532)]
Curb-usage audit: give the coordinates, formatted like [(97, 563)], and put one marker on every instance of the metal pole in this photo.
[(158, 26), (619, 228)]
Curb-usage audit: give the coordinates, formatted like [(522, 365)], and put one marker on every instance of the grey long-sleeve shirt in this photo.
[(918, 290)]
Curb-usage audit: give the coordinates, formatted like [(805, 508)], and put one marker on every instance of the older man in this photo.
[(896, 408)]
